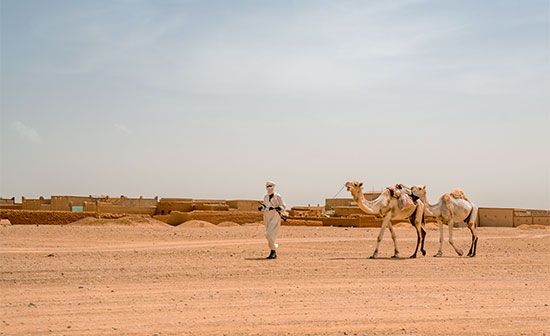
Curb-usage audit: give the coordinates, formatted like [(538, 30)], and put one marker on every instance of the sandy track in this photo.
[(219, 243), (145, 281)]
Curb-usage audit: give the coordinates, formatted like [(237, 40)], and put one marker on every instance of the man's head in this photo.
[(270, 187)]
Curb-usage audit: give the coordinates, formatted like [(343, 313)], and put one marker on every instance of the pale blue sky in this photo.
[(209, 99)]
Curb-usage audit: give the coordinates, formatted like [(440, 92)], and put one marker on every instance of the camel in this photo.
[(453, 207), (387, 205)]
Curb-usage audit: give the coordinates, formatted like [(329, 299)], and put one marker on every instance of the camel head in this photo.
[(419, 190), (356, 188)]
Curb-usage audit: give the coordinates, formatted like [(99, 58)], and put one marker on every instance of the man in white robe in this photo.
[(272, 207)]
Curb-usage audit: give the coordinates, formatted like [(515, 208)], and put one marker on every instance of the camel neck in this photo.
[(432, 208), (365, 205)]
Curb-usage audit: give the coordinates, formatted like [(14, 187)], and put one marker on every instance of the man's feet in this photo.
[(272, 255)]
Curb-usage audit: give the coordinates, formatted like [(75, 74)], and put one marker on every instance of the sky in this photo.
[(210, 99)]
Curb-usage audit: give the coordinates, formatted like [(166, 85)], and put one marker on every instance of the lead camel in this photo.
[(387, 206)]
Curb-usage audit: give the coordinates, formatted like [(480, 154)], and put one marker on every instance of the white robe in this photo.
[(272, 219)]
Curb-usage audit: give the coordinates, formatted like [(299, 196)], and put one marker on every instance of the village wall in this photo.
[(215, 217), (7, 201), (9, 204), (359, 221), (165, 207), (37, 217), (499, 217), (104, 207), (244, 205), (136, 202)]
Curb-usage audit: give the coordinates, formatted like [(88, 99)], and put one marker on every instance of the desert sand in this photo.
[(149, 279)]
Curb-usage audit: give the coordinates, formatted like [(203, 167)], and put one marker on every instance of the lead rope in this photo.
[(338, 194), (339, 191)]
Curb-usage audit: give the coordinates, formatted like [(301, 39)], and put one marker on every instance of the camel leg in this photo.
[(418, 226), (440, 251), (423, 240), (417, 242), (471, 253), (422, 221), (394, 238), (381, 235), (472, 227), (457, 250)]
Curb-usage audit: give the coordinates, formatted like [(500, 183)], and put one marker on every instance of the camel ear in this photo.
[(361, 184), (423, 187)]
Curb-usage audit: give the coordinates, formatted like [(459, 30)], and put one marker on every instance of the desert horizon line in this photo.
[(158, 198)]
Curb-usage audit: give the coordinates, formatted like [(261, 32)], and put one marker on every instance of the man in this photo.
[(272, 207)]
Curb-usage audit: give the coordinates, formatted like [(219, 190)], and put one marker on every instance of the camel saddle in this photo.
[(404, 196)]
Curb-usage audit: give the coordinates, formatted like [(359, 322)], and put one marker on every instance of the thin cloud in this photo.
[(122, 128), (26, 132)]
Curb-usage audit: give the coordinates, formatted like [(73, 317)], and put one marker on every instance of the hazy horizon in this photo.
[(210, 99)]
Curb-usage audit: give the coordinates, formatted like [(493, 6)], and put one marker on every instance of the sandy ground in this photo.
[(160, 280)]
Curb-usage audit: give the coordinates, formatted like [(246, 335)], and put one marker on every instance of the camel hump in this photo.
[(458, 194)]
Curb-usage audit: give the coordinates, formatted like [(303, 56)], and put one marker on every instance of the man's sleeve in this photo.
[(282, 203)]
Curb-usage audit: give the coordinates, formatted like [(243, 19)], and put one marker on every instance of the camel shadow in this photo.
[(256, 259), (367, 258), (350, 258)]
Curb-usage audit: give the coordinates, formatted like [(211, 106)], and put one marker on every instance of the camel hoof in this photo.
[(372, 257), (438, 254), (413, 256), (395, 256), (423, 253), (459, 253)]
